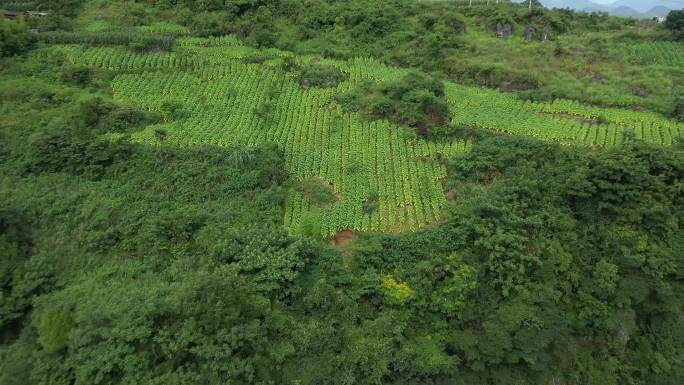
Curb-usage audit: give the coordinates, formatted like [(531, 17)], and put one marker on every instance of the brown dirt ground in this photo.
[(343, 238)]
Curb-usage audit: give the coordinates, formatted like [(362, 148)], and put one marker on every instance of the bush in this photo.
[(678, 112), (675, 23), (172, 110), (416, 100), (76, 74), (60, 149), (100, 115), (147, 43), (53, 329), (321, 75), (14, 38), (317, 190)]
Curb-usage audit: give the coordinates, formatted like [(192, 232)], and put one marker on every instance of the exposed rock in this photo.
[(529, 33)]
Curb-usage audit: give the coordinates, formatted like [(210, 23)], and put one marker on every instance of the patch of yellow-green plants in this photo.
[(227, 99)]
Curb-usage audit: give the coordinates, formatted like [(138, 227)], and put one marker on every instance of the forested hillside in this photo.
[(339, 192)]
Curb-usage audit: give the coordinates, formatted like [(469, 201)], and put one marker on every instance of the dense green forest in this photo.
[(339, 192)]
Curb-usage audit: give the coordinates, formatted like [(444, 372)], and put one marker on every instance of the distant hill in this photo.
[(642, 6), (625, 11), (622, 8), (577, 5), (659, 10)]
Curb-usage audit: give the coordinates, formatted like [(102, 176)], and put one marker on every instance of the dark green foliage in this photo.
[(64, 151), (577, 264), (143, 43), (15, 248), (129, 263), (262, 31), (14, 38), (210, 327), (73, 145), (78, 75), (320, 75), (371, 204), (102, 115), (675, 23), (540, 18), (416, 100), (172, 110), (136, 40), (678, 112), (317, 190), (498, 17), (67, 7), (497, 75)]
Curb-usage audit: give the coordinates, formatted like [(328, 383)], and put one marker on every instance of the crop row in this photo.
[(384, 178)]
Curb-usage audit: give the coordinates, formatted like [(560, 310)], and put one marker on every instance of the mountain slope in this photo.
[(362, 161), (625, 11), (622, 8), (659, 10)]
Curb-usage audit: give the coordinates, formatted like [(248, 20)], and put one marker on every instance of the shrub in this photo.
[(53, 330), (14, 38), (317, 190), (678, 111), (321, 75), (675, 23), (147, 43), (76, 74), (60, 149), (100, 115), (416, 100)]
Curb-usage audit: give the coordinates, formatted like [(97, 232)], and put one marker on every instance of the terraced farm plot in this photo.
[(386, 179), (659, 53), (222, 98), (562, 121)]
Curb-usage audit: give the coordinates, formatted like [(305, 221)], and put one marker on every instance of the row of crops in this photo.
[(562, 121), (165, 28), (384, 177), (120, 59), (657, 52), (361, 160)]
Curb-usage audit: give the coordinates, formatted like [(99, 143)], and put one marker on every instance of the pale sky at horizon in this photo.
[(646, 2)]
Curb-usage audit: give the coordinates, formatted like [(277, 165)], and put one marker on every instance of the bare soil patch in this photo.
[(343, 238)]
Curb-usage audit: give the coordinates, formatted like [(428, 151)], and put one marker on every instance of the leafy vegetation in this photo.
[(326, 192), (675, 23), (320, 75), (14, 38), (414, 100)]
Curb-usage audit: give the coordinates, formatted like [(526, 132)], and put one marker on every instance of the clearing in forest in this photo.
[(219, 92)]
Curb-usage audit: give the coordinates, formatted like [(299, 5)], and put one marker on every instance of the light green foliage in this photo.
[(224, 99), (142, 198), (659, 53), (396, 293), (53, 327), (165, 28), (606, 275), (205, 326), (446, 281), (562, 121)]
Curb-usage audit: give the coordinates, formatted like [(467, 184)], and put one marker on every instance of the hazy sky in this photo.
[(645, 2)]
